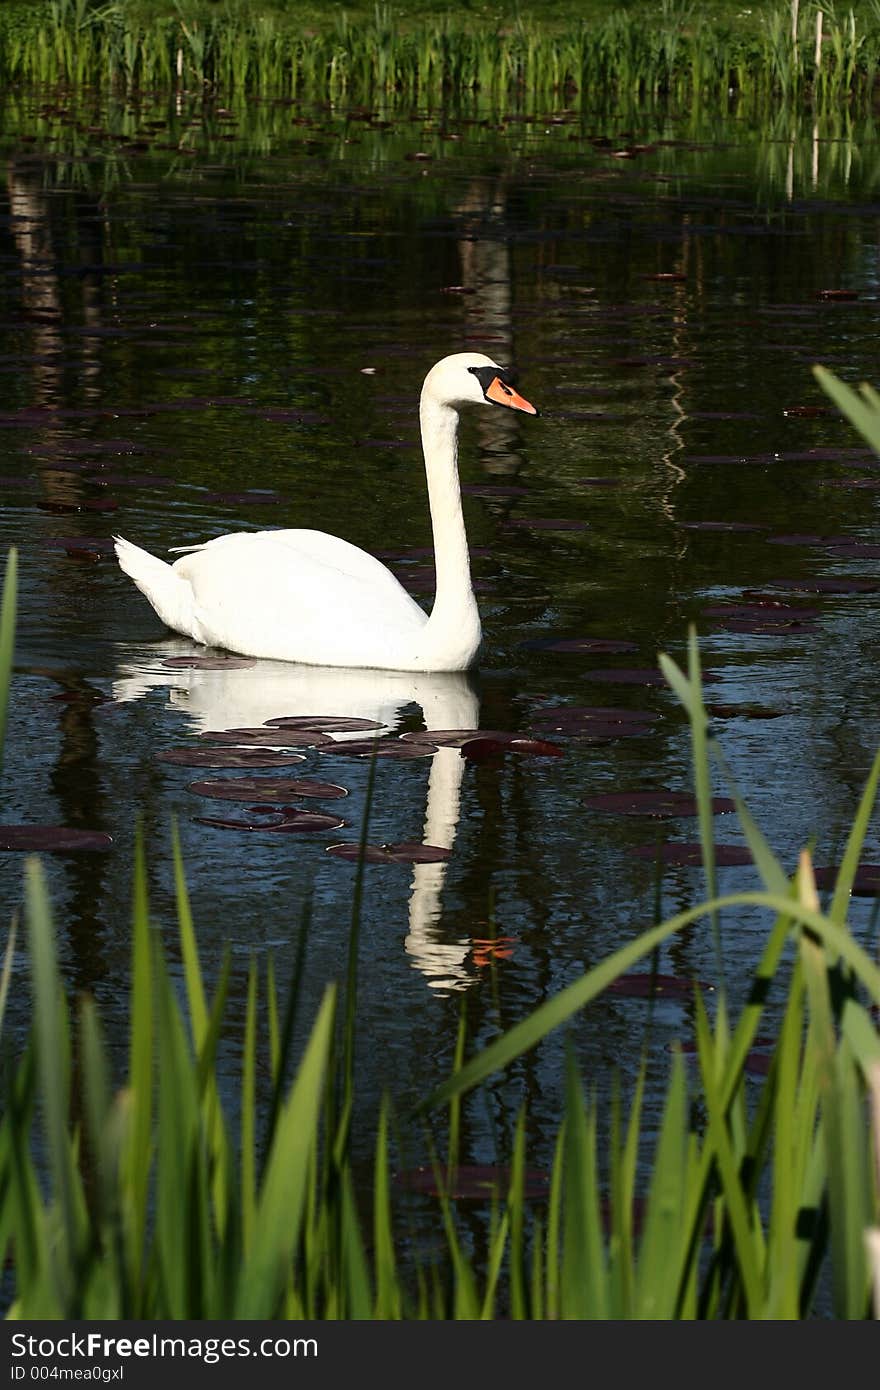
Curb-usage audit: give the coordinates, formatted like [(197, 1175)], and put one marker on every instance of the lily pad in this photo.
[(594, 731), (455, 738), (755, 602), (865, 550), (269, 789), (728, 460), (743, 712), (659, 803), (493, 490), (293, 416), (647, 985), (732, 526), (478, 749), (90, 504), (228, 757), (561, 716), (403, 853), (286, 821), (390, 748), (674, 852), (466, 739), (807, 539), (767, 627), (774, 612), (326, 723), (544, 523), (208, 663), (58, 838), (866, 883), (579, 644), (91, 557), (101, 543), (267, 738), (856, 484), (831, 584), (129, 480)]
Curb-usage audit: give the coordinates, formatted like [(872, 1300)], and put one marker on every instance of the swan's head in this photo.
[(470, 378)]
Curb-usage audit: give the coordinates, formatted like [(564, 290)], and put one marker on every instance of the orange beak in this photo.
[(501, 394)]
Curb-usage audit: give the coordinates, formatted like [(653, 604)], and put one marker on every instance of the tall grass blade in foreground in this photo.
[(861, 408)]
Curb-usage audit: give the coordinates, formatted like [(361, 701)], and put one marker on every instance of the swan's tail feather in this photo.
[(171, 596)]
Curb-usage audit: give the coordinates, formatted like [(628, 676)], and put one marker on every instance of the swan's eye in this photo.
[(488, 375), (498, 388)]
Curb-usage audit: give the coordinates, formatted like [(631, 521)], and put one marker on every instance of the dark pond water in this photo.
[(214, 320)]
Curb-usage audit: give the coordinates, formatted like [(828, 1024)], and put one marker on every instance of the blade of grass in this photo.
[(623, 1163), (656, 1293), (355, 1273), (178, 1154), (53, 1051), (272, 1019), (516, 1215), (388, 1294), (861, 1033), (740, 1211), (584, 1284), (452, 1149), (6, 973), (790, 1124), (7, 638), (357, 897), (281, 1051), (849, 1209), (103, 1138), (189, 951), (283, 1190), (554, 1226), (248, 1113), (860, 408), (494, 1263), (137, 1158), (855, 840)]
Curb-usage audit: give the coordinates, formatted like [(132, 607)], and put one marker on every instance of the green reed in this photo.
[(136, 1198), (678, 52)]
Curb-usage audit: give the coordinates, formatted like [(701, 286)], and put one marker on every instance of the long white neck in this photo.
[(455, 622)]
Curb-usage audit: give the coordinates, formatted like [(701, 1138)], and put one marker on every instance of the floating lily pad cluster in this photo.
[(271, 799)]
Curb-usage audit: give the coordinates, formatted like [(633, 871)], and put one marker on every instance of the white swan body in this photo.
[(309, 597)]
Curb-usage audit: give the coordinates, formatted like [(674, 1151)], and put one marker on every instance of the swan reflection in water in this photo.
[(216, 699)]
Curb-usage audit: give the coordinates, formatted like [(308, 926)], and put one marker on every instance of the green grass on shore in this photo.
[(552, 51)]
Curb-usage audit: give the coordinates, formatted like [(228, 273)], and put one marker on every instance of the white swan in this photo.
[(309, 597)]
